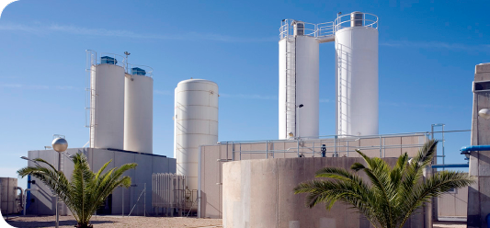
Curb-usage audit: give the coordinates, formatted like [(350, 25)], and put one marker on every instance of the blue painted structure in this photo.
[(466, 149)]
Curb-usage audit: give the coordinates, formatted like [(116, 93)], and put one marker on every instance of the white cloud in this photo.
[(161, 92), (68, 29), (36, 87), (436, 44), (248, 96)]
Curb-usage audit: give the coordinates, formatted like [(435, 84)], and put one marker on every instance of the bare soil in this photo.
[(140, 221), (116, 221)]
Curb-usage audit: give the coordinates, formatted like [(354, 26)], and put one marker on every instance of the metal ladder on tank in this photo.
[(340, 95), (90, 96), (290, 86)]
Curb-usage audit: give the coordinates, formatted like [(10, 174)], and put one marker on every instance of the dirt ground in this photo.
[(116, 221), (139, 221)]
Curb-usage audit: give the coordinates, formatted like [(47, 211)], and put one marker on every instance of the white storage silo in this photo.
[(138, 111), (356, 45), (195, 124), (298, 81), (107, 104)]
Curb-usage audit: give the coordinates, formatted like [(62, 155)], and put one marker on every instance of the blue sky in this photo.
[(427, 54)]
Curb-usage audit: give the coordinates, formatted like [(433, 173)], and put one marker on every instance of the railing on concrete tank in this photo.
[(338, 144)]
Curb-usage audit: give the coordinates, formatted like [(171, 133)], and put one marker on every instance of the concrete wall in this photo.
[(259, 193), (453, 204), (212, 158), (123, 199), (9, 196), (479, 192)]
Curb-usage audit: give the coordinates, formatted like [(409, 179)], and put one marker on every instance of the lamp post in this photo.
[(297, 110), (59, 145)]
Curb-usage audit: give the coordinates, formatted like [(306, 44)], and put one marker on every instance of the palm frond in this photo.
[(87, 190), (394, 193)]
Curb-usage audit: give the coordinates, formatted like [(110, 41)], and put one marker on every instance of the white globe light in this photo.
[(60, 144), (484, 113)]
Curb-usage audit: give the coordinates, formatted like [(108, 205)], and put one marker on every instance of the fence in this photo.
[(168, 193)]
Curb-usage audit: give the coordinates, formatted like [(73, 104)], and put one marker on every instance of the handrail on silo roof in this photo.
[(368, 20), (148, 70), (326, 29), (120, 60)]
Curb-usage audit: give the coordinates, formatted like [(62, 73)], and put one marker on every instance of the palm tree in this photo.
[(393, 193), (86, 191)]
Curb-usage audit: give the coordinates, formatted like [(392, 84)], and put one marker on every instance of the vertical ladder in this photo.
[(340, 101), (90, 97), (291, 85)]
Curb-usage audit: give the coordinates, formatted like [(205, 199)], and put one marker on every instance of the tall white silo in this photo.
[(195, 124), (356, 46), (298, 81), (138, 111), (107, 103)]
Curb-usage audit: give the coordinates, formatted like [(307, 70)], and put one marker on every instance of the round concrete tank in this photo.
[(138, 111), (195, 124), (298, 83), (107, 103), (10, 203), (356, 49)]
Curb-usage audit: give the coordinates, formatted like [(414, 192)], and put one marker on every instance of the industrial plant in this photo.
[(247, 183)]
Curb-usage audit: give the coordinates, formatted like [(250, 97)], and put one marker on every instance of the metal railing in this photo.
[(147, 69), (326, 29), (344, 21), (335, 145)]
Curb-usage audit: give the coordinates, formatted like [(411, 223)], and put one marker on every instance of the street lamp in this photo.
[(297, 108), (59, 145)]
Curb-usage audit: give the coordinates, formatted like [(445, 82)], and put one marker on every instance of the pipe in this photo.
[(21, 196), (451, 166), (475, 148)]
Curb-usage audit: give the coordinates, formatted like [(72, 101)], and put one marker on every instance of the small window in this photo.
[(482, 86), (452, 191)]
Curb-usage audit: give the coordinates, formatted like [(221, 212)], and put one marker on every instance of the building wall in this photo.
[(260, 194), (453, 204), (212, 158), (123, 199), (478, 192)]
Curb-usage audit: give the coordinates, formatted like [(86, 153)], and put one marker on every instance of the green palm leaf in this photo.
[(86, 191), (393, 193)]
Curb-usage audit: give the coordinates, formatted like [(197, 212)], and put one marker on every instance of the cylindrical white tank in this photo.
[(138, 112), (195, 124), (357, 78), (107, 105), (298, 86)]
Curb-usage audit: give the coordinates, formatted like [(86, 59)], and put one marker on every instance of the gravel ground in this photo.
[(139, 221), (116, 221)]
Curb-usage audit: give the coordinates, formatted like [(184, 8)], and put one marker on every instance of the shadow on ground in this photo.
[(50, 223)]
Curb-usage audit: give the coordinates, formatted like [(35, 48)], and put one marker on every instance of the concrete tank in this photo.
[(356, 49), (299, 84), (10, 202), (138, 111), (260, 193), (107, 104), (195, 124)]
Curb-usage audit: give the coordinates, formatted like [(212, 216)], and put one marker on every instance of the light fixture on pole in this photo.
[(484, 113), (59, 145), (297, 110)]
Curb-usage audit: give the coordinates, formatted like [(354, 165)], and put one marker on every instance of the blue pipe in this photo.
[(451, 166), (475, 148)]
